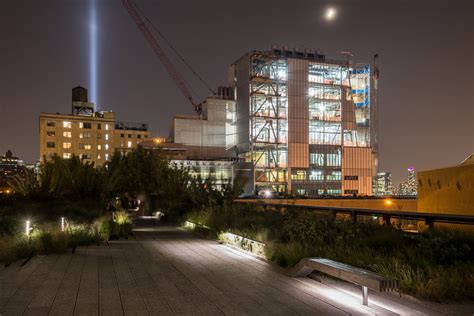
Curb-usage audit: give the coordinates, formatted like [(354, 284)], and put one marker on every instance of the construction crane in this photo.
[(139, 19)]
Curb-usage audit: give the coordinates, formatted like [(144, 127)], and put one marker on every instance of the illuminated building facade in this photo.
[(304, 124), (93, 136), (10, 167), (383, 184)]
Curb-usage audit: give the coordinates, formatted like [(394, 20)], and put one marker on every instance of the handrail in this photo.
[(429, 217)]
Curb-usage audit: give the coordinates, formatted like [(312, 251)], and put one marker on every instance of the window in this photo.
[(351, 191), (351, 177), (129, 135), (139, 136), (300, 175), (316, 159), (50, 124), (316, 175), (334, 159), (106, 156), (67, 155), (334, 176), (67, 124), (67, 134), (66, 145), (85, 156), (333, 191), (99, 136), (106, 127), (99, 147), (99, 157), (106, 146), (51, 133), (99, 126), (85, 125), (122, 135), (85, 135), (106, 136), (85, 146), (51, 144), (129, 144)]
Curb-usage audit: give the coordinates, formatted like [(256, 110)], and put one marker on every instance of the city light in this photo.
[(388, 202)]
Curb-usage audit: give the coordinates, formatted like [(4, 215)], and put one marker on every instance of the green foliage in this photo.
[(436, 265)]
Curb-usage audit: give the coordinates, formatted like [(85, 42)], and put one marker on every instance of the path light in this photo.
[(63, 222), (27, 227)]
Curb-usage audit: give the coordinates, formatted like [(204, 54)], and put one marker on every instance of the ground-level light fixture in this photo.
[(63, 223), (27, 228)]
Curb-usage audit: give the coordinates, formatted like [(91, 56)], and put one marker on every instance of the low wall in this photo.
[(378, 204)]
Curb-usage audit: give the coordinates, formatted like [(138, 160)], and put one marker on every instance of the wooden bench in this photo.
[(366, 279)]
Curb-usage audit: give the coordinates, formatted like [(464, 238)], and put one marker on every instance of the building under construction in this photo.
[(305, 124)]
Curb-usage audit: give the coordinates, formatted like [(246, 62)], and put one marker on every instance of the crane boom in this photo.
[(170, 68)]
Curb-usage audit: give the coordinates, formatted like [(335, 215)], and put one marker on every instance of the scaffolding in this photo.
[(268, 121)]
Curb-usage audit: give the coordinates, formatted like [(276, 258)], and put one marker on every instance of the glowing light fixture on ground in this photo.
[(27, 228), (63, 224)]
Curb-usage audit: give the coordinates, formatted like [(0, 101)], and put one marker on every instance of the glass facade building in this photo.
[(304, 123)]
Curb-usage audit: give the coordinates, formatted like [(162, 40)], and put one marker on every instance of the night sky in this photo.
[(426, 49)]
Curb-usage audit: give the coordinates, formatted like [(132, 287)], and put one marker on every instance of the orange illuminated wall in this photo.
[(358, 167)]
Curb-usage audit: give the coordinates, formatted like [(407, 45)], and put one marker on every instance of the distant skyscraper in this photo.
[(409, 186), (383, 184)]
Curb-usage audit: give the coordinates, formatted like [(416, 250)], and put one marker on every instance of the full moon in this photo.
[(330, 14)]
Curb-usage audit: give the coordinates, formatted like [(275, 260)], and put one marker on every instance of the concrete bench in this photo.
[(366, 279)]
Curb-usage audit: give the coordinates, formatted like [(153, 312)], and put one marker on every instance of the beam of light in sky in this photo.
[(93, 54)]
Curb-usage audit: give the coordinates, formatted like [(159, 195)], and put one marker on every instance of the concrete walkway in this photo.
[(171, 271)]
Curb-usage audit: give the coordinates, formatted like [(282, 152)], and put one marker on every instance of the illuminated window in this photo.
[(106, 136), (334, 176), (51, 133), (66, 145), (106, 127), (300, 175), (99, 157), (106, 146), (67, 155), (67, 124), (50, 124), (51, 144), (85, 156), (87, 146), (99, 147), (106, 156), (85, 125), (67, 134), (129, 144), (316, 175), (99, 136)]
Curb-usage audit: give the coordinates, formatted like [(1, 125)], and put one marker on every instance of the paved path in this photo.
[(171, 271)]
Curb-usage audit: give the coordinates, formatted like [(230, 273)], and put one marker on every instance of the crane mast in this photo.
[(170, 68)]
